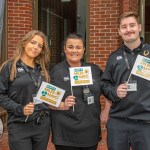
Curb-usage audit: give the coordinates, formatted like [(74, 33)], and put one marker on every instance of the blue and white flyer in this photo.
[(80, 76), (141, 67), (50, 94)]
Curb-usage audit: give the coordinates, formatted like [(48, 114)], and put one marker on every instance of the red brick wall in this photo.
[(19, 22), (134, 4), (126, 5), (103, 30), (129, 5)]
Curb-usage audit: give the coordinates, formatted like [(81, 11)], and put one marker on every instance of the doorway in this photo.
[(58, 18)]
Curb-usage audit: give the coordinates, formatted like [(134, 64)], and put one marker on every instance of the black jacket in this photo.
[(14, 95), (136, 105), (81, 127)]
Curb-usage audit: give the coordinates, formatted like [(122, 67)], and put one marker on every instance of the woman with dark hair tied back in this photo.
[(78, 128), (20, 79)]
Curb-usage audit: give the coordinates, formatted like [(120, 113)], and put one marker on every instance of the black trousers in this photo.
[(29, 136), (61, 147), (123, 133)]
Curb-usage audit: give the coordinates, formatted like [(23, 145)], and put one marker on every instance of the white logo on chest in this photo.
[(21, 69), (66, 78)]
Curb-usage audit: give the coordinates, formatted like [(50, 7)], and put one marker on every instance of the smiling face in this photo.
[(129, 29), (33, 48), (74, 50)]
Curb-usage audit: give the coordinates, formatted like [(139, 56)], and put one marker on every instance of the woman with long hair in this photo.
[(20, 79)]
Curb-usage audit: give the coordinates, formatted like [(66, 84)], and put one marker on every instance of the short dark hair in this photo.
[(128, 14), (74, 36)]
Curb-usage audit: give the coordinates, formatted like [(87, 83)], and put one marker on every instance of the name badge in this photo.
[(86, 90), (90, 100), (132, 85)]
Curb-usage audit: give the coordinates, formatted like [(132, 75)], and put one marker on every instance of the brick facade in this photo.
[(19, 22), (103, 30), (103, 35)]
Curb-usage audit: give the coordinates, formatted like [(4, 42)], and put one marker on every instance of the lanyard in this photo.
[(126, 60), (37, 84)]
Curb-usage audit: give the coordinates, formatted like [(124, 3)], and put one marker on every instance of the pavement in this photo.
[(4, 142)]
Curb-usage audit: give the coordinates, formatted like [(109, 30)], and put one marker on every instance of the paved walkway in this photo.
[(4, 142)]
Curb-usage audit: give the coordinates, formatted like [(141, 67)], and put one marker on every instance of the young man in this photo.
[(129, 122)]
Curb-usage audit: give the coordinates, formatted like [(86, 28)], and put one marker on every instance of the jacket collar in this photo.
[(68, 66), (19, 64), (136, 50)]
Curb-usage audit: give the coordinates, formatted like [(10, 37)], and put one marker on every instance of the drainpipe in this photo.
[(142, 16)]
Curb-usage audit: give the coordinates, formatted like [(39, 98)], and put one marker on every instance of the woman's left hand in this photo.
[(69, 102), (28, 109)]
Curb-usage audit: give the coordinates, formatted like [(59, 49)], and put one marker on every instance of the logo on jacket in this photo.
[(21, 69), (119, 57), (66, 78), (146, 52)]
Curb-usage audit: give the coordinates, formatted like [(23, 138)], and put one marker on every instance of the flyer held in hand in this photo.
[(50, 94)]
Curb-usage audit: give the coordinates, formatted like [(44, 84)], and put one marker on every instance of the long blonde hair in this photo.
[(43, 59)]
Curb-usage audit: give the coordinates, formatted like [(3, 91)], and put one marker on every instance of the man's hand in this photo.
[(122, 90)]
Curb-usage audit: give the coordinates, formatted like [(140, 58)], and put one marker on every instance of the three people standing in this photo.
[(129, 122)]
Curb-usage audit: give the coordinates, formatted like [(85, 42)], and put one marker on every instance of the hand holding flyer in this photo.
[(80, 76), (50, 94), (141, 67)]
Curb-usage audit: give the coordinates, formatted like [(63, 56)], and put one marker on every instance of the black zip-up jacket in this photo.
[(14, 95), (136, 105), (80, 127)]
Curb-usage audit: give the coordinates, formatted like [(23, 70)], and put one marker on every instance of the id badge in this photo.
[(86, 90), (132, 85), (90, 100)]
